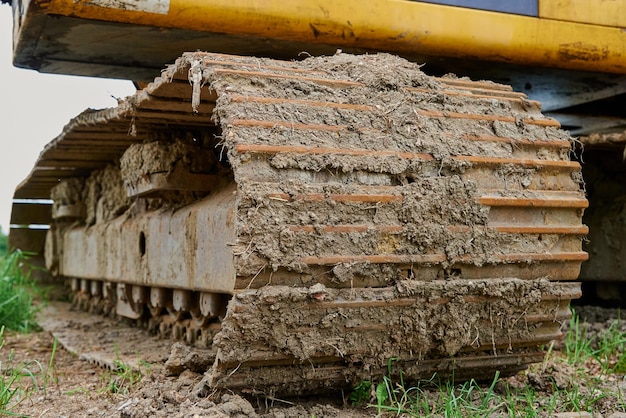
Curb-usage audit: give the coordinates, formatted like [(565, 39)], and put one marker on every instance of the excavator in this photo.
[(319, 190)]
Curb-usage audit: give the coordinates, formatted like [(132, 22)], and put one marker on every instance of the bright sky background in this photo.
[(34, 108)]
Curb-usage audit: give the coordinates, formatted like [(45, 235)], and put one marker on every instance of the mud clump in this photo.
[(141, 160), (393, 175), (182, 357), (431, 205), (104, 195), (101, 196), (173, 398), (412, 322), (67, 193), (438, 328)]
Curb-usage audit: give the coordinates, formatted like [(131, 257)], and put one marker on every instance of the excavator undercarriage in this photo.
[(316, 221)]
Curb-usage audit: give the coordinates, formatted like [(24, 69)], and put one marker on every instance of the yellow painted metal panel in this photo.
[(386, 25), (596, 12)]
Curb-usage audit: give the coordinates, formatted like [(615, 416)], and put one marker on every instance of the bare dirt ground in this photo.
[(171, 382), (80, 382)]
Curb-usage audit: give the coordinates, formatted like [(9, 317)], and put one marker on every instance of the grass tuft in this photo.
[(19, 380), (361, 393), (123, 377), (17, 290), (607, 349), (578, 346), (12, 389)]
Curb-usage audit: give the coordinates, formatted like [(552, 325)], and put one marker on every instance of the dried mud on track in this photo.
[(172, 384), (429, 210)]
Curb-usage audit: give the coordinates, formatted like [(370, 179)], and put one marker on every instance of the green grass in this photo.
[(578, 346), (610, 349), (3, 243), (474, 399), (607, 349), (588, 363), (9, 379), (437, 398), (19, 380), (123, 376), (17, 291)]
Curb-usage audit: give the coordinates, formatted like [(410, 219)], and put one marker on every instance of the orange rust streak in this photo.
[(366, 198), (556, 143), (532, 202), (517, 161), (570, 256), (275, 149), (481, 94), (472, 116), (271, 149), (476, 84), (561, 230), (274, 124), (438, 258), (456, 115), (324, 81), (315, 103), (543, 122), (378, 258), (474, 88), (213, 63), (337, 128)]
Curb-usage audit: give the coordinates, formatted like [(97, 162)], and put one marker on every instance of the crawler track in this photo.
[(311, 221), (100, 340)]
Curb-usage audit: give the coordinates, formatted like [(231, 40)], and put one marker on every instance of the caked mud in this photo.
[(350, 209)]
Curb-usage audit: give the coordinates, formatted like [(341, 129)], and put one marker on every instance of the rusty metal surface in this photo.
[(187, 248)]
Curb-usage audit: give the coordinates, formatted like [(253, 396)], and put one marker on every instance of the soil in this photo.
[(79, 381), (172, 383)]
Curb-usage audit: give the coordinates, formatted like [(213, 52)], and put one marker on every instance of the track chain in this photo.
[(165, 323)]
